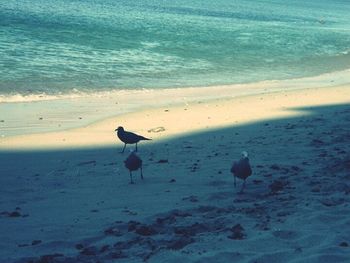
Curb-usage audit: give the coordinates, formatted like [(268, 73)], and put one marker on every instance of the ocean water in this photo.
[(55, 47)]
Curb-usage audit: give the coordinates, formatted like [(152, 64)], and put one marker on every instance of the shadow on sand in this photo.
[(76, 205)]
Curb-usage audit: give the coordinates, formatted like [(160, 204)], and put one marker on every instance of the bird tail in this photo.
[(145, 139)]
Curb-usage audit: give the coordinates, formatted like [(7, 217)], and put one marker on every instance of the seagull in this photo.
[(133, 163), (241, 169), (129, 137)]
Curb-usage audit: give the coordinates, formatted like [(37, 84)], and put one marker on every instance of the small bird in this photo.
[(133, 163), (129, 137), (241, 169)]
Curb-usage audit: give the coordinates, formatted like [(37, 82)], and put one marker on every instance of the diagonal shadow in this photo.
[(65, 197)]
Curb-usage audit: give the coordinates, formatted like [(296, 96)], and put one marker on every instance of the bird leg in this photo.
[(234, 182), (131, 181), (136, 148), (123, 148), (243, 186), (141, 173)]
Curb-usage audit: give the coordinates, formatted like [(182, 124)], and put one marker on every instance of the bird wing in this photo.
[(246, 170), (129, 137), (234, 168), (133, 162), (242, 168)]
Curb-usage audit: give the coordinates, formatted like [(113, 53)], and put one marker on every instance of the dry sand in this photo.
[(179, 120), (71, 201)]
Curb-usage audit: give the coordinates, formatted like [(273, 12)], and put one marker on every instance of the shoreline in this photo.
[(30, 117), (336, 77), (167, 121)]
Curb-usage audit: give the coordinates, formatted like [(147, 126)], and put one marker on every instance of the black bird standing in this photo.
[(241, 169), (133, 163), (129, 137)]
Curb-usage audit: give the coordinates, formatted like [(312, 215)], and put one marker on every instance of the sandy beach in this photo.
[(66, 195)]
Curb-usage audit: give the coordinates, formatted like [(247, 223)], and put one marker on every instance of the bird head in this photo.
[(120, 128), (132, 153), (244, 154)]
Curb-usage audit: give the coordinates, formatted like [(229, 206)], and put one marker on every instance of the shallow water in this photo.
[(56, 47)]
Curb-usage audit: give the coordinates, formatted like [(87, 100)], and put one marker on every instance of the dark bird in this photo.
[(129, 137), (241, 169), (133, 163)]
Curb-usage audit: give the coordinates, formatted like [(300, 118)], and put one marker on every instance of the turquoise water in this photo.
[(65, 46)]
